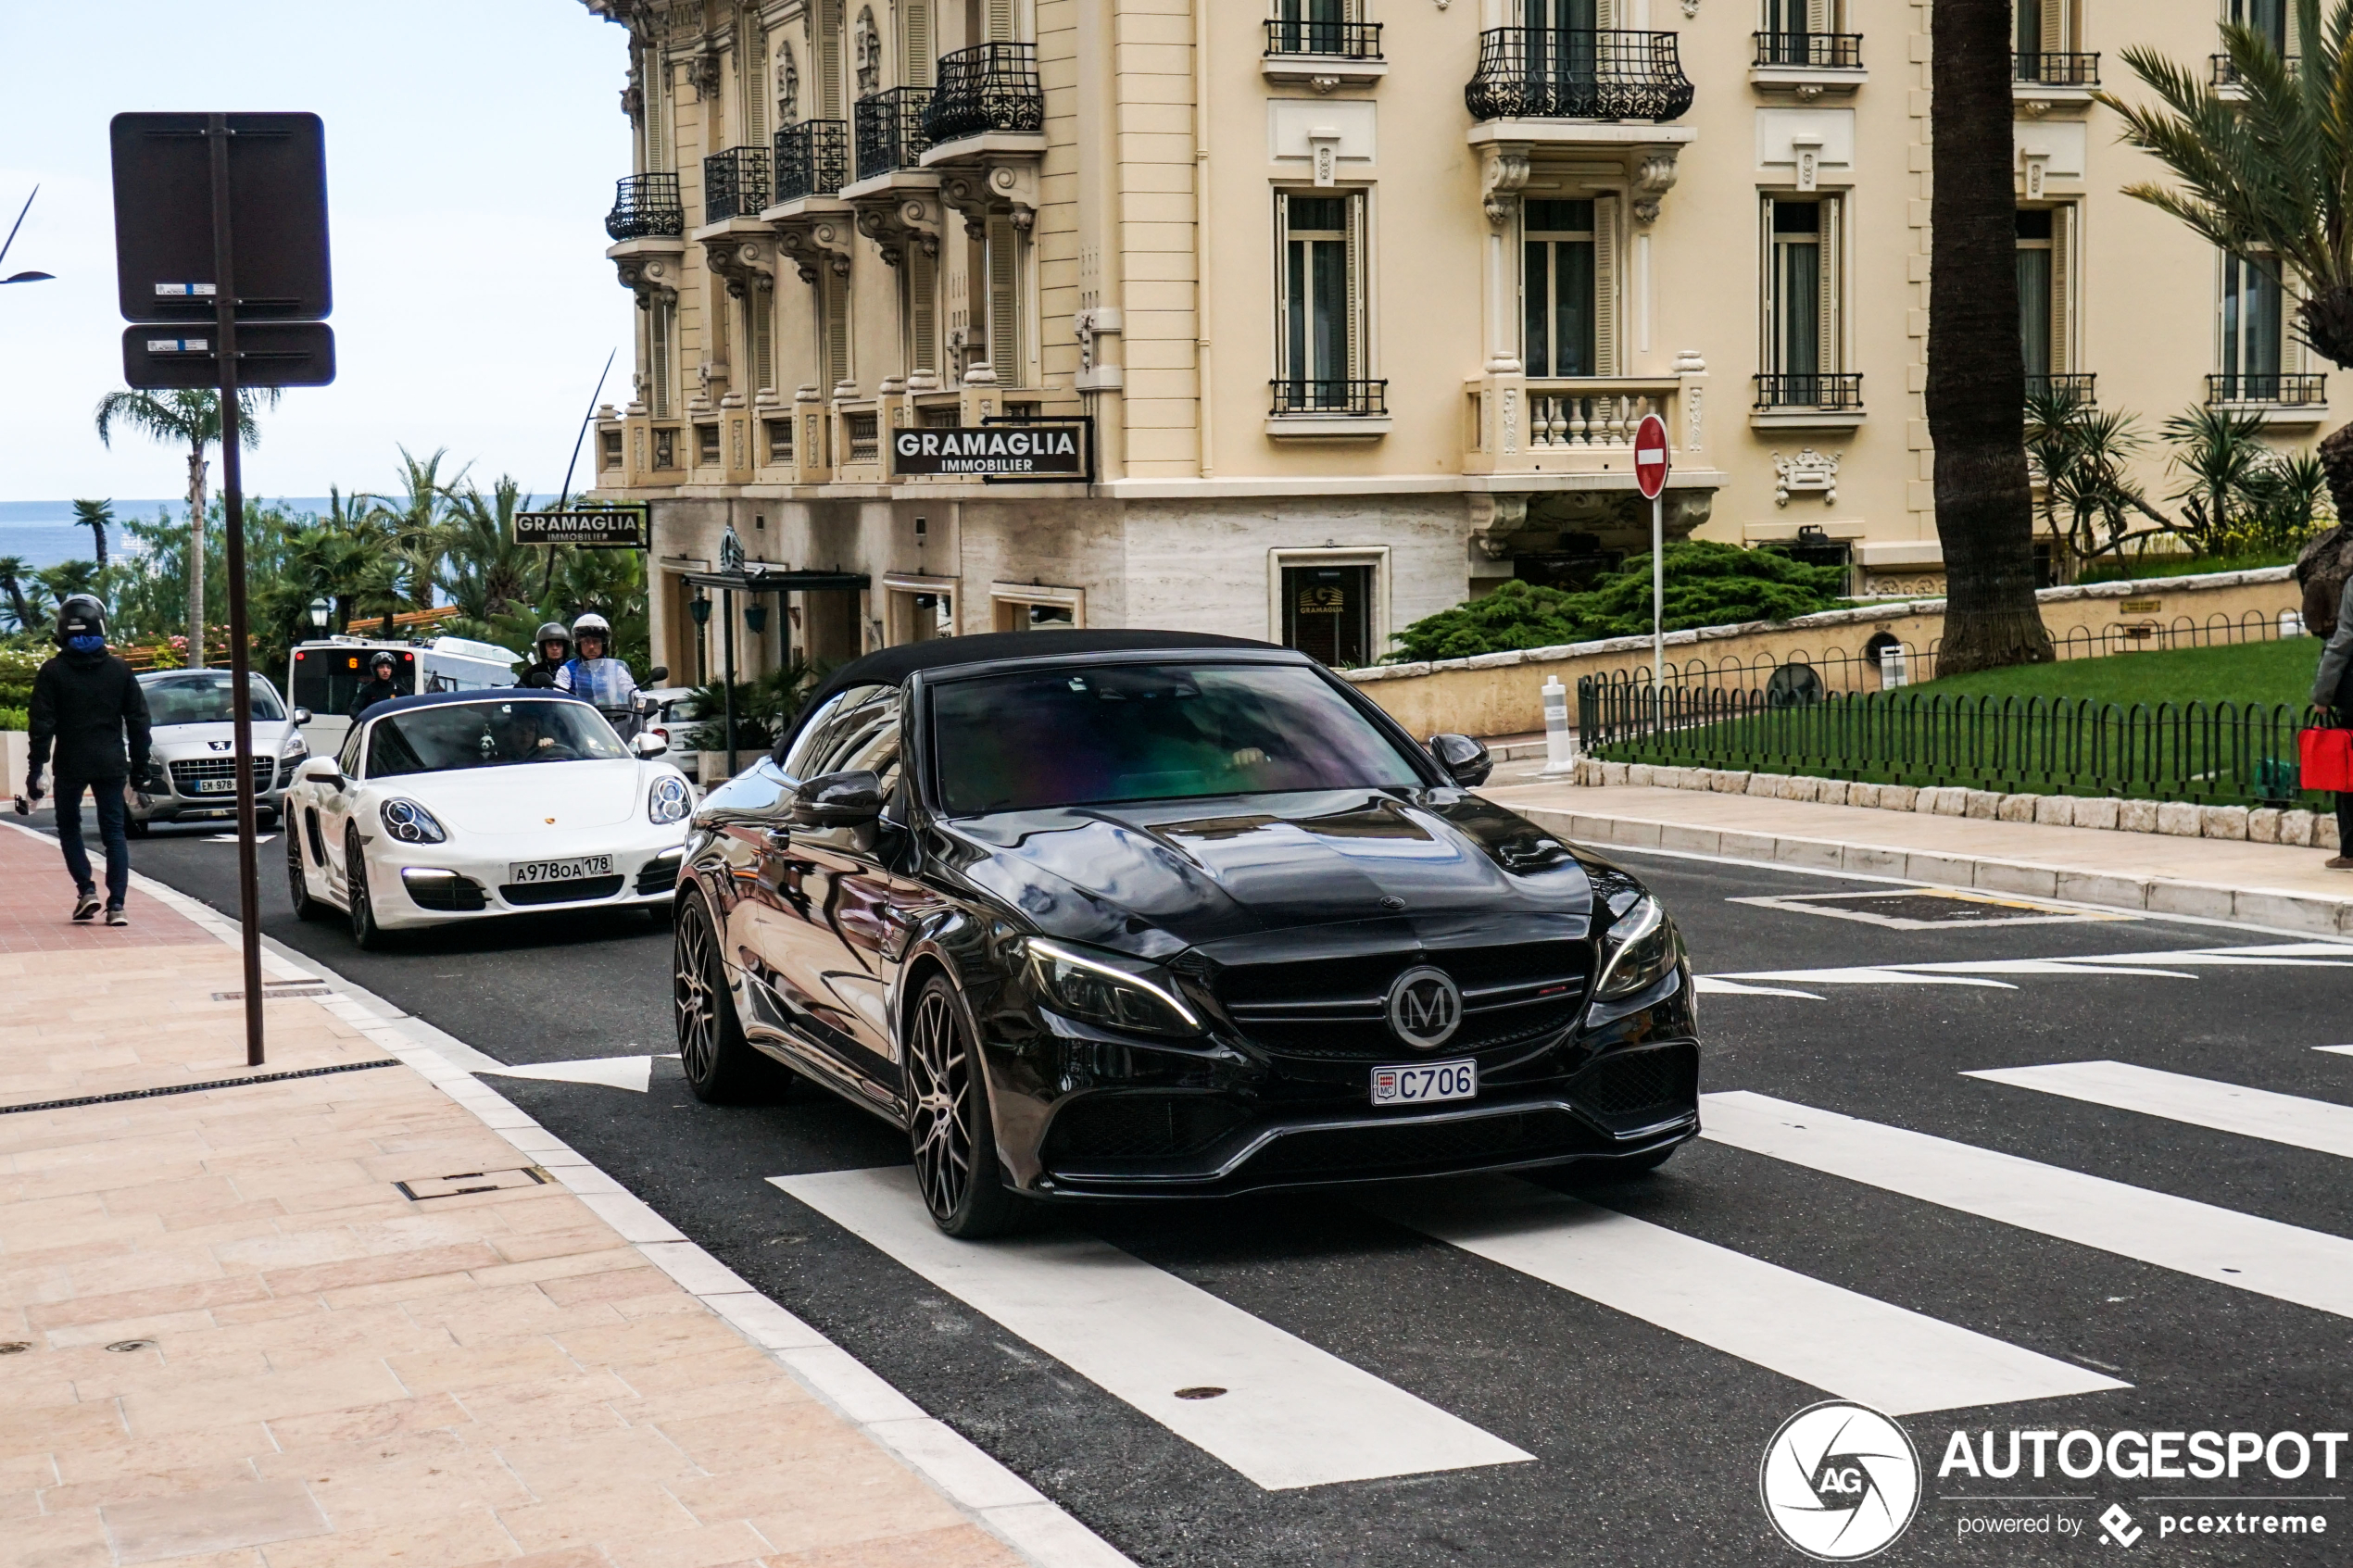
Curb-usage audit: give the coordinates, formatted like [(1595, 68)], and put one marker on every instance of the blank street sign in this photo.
[(163, 218), (186, 353)]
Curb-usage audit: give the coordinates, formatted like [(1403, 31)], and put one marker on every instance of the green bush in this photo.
[(17, 668), (14, 719), (1707, 584)]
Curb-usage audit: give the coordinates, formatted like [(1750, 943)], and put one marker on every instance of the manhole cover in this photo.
[(1930, 908), (278, 991), (419, 1188)]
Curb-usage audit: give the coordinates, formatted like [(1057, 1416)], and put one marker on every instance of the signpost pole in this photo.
[(232, 502), (727, 609), (1658, 594)]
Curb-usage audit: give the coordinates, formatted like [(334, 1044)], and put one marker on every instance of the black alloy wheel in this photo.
[(722, 1066), (298, 886), (949, 1127), (366, 935)]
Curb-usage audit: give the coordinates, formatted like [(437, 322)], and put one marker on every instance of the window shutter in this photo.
[(922, 308), (1001, 22), (759, 321), (655, 76), (1359, 322), (1769, 294), (837, 303), (1282, 286), (1817, 17), (657, 333), (2054, 28), (828, 93), (1604, 15), (1827, 358), (755, 82), (1606, 286), (2062, 288), (916, 24), (1004, 302)]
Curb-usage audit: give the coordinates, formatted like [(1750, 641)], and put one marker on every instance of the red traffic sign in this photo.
[(1650, 456)]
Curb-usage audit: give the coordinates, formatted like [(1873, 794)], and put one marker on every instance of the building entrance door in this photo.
[(1327, 613)]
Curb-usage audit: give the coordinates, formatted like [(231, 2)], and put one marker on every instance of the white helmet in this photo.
[(592, 626)]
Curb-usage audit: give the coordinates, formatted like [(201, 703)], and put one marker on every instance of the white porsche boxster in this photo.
[(468, 804)]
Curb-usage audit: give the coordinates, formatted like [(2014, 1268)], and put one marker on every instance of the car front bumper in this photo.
[(421, 885)]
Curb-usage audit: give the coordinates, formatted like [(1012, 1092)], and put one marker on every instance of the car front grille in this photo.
[(580, 890), (1336, 1008), (1139, 1126), (186, 773), (447, 895), (1405, 1145), (1650, 1084), (659, 875)]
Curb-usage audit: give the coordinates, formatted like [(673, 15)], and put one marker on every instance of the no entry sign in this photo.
[(1650, 456)]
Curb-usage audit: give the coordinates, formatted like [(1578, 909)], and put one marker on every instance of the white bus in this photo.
[(323, 676)]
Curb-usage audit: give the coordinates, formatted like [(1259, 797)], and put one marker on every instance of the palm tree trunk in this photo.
[(16, 602), (196, 554), (1976, 362)]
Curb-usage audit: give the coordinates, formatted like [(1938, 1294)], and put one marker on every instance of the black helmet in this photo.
[(81, 615), (552, 632), (383, 661)]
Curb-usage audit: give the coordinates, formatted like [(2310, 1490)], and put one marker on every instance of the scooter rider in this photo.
[(85, 702), (595, 678), (554, 647), (380, 687)]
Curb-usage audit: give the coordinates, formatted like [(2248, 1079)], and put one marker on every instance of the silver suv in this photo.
[(194, 773)]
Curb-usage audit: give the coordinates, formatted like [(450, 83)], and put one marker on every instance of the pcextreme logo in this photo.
[(1840, 1481)]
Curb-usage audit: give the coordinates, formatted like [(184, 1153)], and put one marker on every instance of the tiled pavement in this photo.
[(227, 1337), (36, 896)]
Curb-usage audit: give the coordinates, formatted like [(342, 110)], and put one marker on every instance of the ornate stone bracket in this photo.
[(1653, 178), (1010, 185), (818, 242), (1493, 520), (1502, 174), (650, 278), (744, 261), (907, 218)]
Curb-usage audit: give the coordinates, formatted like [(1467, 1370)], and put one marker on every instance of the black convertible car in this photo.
[(1148, 914)]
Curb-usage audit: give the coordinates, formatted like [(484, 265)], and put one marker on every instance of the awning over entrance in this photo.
[(752, 579)]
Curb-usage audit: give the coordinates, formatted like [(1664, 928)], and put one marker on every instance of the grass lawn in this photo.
[(2264, 673), (2107, 569)]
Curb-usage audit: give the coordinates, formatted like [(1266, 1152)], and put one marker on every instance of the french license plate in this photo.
[(1424, 1081), (216, 786), (561, 871)]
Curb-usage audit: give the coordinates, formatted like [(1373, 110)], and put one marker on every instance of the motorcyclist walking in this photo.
[(378, 687), (85, 702), (554, 647), (596, 678)]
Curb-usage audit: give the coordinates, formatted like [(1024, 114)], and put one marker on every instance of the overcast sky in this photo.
[(472, 150)]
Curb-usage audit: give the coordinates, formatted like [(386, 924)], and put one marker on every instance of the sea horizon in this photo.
[(43, 534)]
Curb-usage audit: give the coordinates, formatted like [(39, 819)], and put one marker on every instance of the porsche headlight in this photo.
[(669, 800), (411, 823), (1638, 952), (1107, 989)]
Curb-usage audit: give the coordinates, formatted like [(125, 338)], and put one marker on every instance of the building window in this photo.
[(1327, 613), (1559, 288), (2254, 316), (2046, 292), (1037, 608), (1322, 333), (2268, 18), (1803, 326), (1316, 26)]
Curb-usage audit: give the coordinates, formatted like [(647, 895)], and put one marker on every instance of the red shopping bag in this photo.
[(2327, 759)]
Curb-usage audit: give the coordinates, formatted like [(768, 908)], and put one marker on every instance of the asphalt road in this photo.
[(2208, 1281)]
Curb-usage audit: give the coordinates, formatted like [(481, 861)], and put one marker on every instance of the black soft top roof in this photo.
[(891, 666)]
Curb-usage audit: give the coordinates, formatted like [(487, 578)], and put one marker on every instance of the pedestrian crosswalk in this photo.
[(1288, 1414)]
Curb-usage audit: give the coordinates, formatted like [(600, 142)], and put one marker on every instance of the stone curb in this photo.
[(2301, 913), (2177, 819), (988, 1493)]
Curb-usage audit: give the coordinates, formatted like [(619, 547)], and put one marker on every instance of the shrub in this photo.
[(15, 719), (1707, 584)]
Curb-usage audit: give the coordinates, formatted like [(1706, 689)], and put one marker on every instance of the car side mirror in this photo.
[(836, 800), (649, 743), (321, 770), (301, 716), (1465, 760), (658, 675)]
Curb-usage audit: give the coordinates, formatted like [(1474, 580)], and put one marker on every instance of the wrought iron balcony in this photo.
[(988, 87), (812, 159), (1344, 41), (1551, 73), (734, 183), (2074, 386), (2226, 72), (1840, 393), (644, 206), (1811, 51), (1366, 399), (2278, 389), (890, 130), (2055, 70)]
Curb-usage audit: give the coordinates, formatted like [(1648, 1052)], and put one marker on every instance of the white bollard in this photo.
[(1895, 668), (1560, 742), (2291, 624)]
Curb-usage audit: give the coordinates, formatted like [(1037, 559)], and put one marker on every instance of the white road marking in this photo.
[(2200, 1102), (1716, 985), (1973, 972), (2335, 1050), (613, 1072), (2308, 1267), (1291, 1415), (1864, 975), (1840, 1342)]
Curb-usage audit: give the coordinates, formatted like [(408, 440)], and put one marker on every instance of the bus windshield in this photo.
[(327, 678)]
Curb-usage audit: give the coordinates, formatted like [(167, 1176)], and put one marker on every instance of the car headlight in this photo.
[(296, 750), (1107, 989), (411, 823), (669, 800), (1639, 951)]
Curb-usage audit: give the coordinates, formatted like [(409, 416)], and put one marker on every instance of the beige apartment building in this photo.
[(1361, 299)]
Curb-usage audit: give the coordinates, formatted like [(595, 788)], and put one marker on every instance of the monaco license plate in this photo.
[(1424, 1082), (561, 871), (216, 786)]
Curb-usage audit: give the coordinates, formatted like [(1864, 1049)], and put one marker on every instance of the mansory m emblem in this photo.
[(1425, 1008)]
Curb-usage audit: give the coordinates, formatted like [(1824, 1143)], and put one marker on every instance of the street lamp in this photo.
[(755, 618), (22, 277), (700, 609), (320, 610)]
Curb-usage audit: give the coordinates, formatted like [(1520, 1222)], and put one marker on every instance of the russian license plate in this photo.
[(579, 866), (216, 786), (1424, 1081)]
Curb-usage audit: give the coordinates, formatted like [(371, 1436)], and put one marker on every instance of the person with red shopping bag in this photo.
[(2327, 753)]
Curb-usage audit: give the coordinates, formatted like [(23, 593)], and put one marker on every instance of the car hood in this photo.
[(1157, 877), (172, 742), (525, 797)]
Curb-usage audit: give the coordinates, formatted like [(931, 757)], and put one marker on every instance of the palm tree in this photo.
[(1976, 361), (192, 418), (417, 520), (95, 516), (13, 571), (485, 573)]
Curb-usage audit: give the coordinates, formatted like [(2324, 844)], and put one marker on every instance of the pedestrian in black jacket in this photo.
[(85, 702), (378, 687)]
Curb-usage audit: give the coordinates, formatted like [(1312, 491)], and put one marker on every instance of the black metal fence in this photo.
[(734, 183), (2290, 389), (2081, 386), (1366, 399), (2056, 70), (1561, 73), (890, 130), (1817, 51), (644, 206), (812, 159), (988, 87), (1338, 40), (1843, 390)]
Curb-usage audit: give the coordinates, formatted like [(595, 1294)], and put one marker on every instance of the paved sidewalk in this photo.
[(2283, 887), (230, 1336)]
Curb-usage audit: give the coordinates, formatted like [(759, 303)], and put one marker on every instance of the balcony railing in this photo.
[(812, 159), (2055, 70), (1548, 73), (1841, 393), (2075, 386), (988, 87), (644, 206), (734, 183), (2278, 389), (1570, 414), (1345, 40), (1815, 51), (2226, 72), (1364, 399), (890, 130)]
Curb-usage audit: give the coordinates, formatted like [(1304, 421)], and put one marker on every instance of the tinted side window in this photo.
[(857, 728), (347, 759), (805, 744)]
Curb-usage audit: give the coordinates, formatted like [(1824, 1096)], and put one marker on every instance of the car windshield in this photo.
[(1150, 731), (205, 697), (489, 734)]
